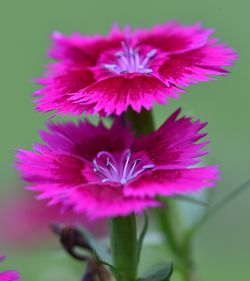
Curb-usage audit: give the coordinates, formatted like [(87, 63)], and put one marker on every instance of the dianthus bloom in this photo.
[(110, 172), (9, 275), (106, 74)]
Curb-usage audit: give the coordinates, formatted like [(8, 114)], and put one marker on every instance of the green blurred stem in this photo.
[(124, 247), (173, 233), (167, 218), (166, 223)]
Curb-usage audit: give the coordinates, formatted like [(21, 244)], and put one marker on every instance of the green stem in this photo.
[(142, 123), (124, 247), (164, 218)]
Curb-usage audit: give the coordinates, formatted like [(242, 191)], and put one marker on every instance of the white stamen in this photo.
[(129, 60), (121, 170)]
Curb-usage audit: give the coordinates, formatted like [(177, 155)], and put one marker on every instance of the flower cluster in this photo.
[(109, 172)]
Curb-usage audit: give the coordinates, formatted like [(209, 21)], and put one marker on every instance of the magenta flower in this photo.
[(106, 75), (109, 172), (9, 275)]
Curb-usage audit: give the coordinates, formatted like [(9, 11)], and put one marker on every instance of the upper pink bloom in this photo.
[(109, 172), (106, 74), (9, 275)]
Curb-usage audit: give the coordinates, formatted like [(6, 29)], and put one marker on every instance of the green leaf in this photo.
[(161, 273), (141, 237), (191, 200), (217, 207), (124, 246)]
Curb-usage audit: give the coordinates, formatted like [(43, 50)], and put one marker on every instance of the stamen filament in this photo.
[(130, 61), (118, 169)]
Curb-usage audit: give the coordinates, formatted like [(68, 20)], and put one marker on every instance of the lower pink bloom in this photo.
[(110, 172), (9, 275)]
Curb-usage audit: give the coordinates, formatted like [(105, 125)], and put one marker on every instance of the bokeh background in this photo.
[(222, 247)]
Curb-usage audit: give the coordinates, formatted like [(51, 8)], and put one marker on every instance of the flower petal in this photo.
[(58, 87), (113, 95), (172, 182), (197, 65), (104, 200), (86, 140), (174, 145), (81, 49), (173, 37), (51, 168)]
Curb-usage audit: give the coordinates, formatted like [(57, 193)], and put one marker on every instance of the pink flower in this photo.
[(9, 275), (107, 74), (34, 217), (109, 172)]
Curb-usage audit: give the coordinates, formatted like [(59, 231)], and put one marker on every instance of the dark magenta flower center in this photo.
[(128, 60), (119, 169)]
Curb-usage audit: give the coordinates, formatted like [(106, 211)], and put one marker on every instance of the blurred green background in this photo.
[(222, 248)]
